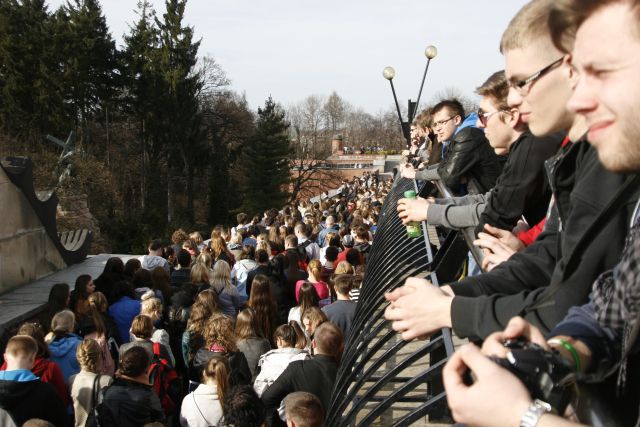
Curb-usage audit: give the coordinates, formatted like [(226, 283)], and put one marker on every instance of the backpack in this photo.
[(164, 381), (302, 254), (99, 415)]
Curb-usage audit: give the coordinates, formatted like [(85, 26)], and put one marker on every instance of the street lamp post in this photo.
[(389, 73)]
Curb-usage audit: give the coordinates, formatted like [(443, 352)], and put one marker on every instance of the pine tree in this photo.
[(31, 92), (89, 63), (142, 80), (185, 143), (266, 160)]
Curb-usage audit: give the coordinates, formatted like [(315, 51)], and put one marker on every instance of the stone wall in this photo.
[(26, 251)]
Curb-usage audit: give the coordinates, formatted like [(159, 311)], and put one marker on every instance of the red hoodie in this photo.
[(49, 372)]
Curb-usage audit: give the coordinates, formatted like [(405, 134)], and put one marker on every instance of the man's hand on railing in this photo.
[(418, 309), (413, 210), (497, 246), (407, 171)]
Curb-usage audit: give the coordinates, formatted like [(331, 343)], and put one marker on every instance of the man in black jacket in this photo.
[(468, 163), (316, 375), (583, 235)]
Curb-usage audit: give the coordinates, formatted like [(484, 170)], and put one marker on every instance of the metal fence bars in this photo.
[(382, 379)]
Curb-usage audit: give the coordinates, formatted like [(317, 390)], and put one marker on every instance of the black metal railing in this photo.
[(383, 379)]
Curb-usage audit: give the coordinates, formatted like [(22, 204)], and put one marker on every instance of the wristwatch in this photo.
[(533, 413)]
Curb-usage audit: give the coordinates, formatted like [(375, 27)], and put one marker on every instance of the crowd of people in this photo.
[(244, 328), (555, 210), (248, 326)]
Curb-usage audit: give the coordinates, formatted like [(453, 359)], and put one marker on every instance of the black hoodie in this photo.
[(24, 400)]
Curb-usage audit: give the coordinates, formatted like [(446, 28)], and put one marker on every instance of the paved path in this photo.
[(25, 302)]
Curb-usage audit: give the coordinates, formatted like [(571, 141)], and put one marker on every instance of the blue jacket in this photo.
[(63, 352), (123, 311)]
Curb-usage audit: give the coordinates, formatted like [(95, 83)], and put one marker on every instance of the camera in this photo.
[(546, 375), (414, 160)]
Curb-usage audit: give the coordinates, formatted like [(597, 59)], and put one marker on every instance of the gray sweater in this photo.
[(457, 212)]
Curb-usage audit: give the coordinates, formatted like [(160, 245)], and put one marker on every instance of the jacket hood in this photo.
[(14, 392), (247, 264), (362, 247), (63, 346), (468, 122), (149, 262)]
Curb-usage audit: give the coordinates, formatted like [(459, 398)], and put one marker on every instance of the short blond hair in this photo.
[(529, 25)]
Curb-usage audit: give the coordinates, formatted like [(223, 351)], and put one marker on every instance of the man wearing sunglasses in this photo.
[(468, 163), (521, 188), (585, 229)]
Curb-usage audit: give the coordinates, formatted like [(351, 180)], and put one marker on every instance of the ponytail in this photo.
[(96, 300), (291, 334), (218, 368)]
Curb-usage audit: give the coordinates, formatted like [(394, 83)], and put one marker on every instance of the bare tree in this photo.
[(335, 110), (468, 103)]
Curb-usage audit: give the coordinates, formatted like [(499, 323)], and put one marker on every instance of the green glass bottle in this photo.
[(414, 229)]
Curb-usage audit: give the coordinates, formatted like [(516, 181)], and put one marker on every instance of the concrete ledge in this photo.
[(25, 302)]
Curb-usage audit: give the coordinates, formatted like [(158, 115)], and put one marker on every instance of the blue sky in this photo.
[(294, 48)]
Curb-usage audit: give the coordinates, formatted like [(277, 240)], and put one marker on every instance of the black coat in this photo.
[(128, 403), (469, 161), (522, 188), (521, 285), (316, 375), (23, 400)]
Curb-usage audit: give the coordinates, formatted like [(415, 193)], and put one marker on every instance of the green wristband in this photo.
[(570, 349)]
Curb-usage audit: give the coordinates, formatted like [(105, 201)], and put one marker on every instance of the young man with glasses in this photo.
[(468, 163), (583, 236), (521, 189), (606, 92)]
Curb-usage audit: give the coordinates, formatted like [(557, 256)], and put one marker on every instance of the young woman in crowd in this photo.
[(311, 319), (228, 297), (99, 327), (205, 305), (308, 298), (161, 284), (152, 307), (241, 270), (58, 300), (201, 277), (124, 309), (219, 249), (263, 305), (291, 343), (141, 332), (130, 267), (203, 406), (219, 337), (78, 302), (314, 270), (86, 385), (112, 274), (63, 343), (251, 342)]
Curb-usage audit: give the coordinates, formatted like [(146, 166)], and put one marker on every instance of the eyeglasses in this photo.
[(484, 116), (524, 86), (442, 122)]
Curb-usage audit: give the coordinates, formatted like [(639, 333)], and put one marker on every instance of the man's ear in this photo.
[(457, 120), (571, 72), (513, 119)]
